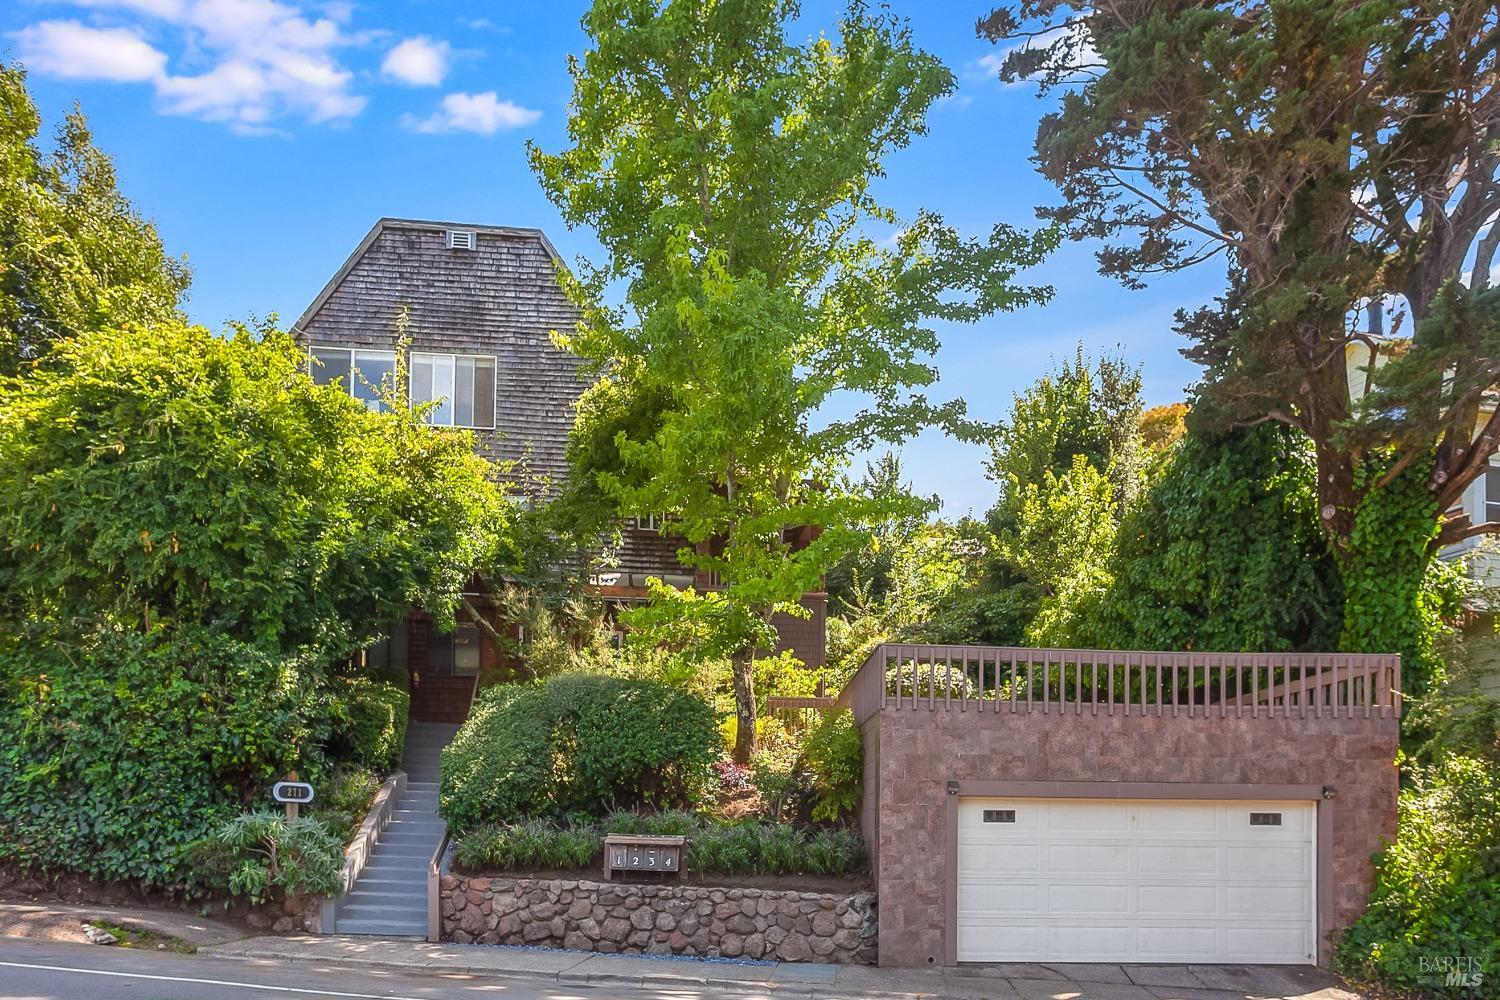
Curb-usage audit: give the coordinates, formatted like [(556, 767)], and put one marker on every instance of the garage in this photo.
[(1136, 880)]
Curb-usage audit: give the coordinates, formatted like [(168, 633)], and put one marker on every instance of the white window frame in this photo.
[(1484, 502), (453, 357), (353, 352)]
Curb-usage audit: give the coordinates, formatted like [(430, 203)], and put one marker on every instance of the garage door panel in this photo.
[(1174, 822), (1268, 900), (1177, 860), (1177, 943), (1091, 898), (998, 898), (1078, 820), (1249, 861), (1162, 881), (988, 859), (1171, 901), (996, 942), (1088, 942), (1087, 859)]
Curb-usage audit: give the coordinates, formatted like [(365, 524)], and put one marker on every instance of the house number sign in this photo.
[(625, 856)]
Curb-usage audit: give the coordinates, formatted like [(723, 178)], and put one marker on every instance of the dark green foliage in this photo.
[(577, 743), (271, 857), (119, 751), (1390, 605), (666, 823), (369, 722), (344, 797), (834, 754), (743, 848), (534, 844), (1437, 889), (1223, 553), (774, 849), (993, 618), (176, 475), (191, 534)]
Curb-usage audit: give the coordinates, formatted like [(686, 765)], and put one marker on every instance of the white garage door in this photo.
[(1090, 880)]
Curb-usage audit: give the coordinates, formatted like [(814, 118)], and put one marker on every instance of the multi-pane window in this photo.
[(456, 653), (462, 386), (361, 372)]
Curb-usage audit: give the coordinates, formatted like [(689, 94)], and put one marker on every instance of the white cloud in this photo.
[(420, 62), (484, 114), (242, 62), (75, 51)]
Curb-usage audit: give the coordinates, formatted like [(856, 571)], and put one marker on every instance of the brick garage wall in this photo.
[(660, 919), (916, 752)]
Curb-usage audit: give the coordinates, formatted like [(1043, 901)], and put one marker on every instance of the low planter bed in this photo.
[(584, 914)]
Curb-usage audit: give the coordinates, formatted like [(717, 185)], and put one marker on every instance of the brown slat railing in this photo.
[(1021, 679)]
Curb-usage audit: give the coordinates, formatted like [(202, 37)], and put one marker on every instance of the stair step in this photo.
[(388, 902), (407, 888), (414, 911), (396, 867), (382, 928)]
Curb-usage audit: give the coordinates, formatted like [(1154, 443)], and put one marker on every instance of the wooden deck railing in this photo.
[(1019, 679)]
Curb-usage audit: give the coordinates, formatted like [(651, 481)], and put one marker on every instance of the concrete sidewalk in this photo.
[(997, 982)]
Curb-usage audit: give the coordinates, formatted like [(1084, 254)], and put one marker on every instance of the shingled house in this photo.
[(481, 303)]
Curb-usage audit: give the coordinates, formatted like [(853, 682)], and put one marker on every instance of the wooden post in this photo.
[(291, 807)]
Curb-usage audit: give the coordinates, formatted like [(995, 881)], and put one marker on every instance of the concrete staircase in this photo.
[(390, 897)]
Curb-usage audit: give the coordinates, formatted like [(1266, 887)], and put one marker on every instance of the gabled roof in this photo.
[(424, 224)]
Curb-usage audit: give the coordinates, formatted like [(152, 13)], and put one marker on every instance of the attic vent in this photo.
[(462, 239)]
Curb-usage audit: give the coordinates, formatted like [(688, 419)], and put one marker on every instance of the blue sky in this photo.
[(264, 137)]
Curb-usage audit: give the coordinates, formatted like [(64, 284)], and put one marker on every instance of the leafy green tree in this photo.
[(868, 573), (172, 476), (1335, 154), (1063, 534), (74, 254), (193, 536), (728, 174), (1086, 407)]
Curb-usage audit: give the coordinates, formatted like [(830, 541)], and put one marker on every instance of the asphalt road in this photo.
[(37, 970)]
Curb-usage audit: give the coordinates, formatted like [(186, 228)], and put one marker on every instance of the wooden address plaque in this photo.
[(627, 856)]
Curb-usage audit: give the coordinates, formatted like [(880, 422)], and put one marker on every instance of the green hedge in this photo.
[(369, 722), (1437, 888), (577, 744), (533, 844), (739, 849), (118, 752)]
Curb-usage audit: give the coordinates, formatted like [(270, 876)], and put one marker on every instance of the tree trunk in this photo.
[(743, 662)]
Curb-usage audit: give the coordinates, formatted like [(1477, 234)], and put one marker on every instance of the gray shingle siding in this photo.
[(501, 298)]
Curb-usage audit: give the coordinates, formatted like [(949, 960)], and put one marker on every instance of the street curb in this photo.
[(566, 977)]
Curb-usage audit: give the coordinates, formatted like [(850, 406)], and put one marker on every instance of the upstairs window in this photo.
[(462, 386), (361, 372)]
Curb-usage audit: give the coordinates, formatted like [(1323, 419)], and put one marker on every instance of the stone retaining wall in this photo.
[(661, 919)]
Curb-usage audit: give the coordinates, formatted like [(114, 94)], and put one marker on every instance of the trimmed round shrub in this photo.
[(578, 744), (369, 722)]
